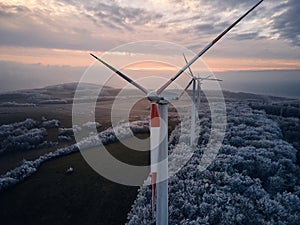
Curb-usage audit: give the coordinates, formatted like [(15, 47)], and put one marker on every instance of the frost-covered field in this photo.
[(27, 168), (253, 180)]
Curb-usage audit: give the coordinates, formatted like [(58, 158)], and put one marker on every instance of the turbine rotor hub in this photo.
[(153, 97)]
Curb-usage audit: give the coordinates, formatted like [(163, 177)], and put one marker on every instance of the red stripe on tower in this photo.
[(153, 177), (155, 121)]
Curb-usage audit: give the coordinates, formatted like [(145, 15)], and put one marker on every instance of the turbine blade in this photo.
[(154, 148), (162, 88), (125, 77), (193, 115), (206, 77), (188, 85), (198, 97), (216, 79), (191, 73)]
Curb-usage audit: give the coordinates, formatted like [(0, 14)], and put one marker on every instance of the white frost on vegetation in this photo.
[(15, 104), (54, 101), (106, 137), (67, 134), (253, 180), (15, 128), (51, 124), (21, 136), (92, 125), (28, 140)]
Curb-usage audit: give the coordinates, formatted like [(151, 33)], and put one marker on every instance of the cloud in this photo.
[(207, 19), (287, 23), (121, 18), (53, 27), (283, 18), (102, 25), (81, 24), (230, 4), (247, 36), (12, 10)]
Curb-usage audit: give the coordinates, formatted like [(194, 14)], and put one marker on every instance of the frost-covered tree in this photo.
[(21, 136), (253, 180)]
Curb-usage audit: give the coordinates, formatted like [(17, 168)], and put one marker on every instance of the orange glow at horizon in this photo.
[(55, 57), (249, 64), (78, 58), (151, 66)]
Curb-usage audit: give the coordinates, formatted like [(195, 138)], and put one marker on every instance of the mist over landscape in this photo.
[(277, 83)]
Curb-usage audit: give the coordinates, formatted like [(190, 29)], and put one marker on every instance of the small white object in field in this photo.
[(70, 170)]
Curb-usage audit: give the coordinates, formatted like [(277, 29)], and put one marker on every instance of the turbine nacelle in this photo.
[(155, 98)]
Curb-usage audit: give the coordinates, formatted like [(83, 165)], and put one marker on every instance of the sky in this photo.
[(47, 42)]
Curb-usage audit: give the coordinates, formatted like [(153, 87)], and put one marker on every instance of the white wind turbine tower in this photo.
[(159, 130), (196, 81)]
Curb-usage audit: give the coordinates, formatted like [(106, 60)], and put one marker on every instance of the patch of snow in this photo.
[(54, 101), (51, 124), (15, 104)]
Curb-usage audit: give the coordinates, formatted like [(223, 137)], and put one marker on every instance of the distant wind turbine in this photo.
[(196, 81)]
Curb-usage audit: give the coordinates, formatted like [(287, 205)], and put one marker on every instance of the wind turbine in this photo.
[(159, 130), (196, 81)]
